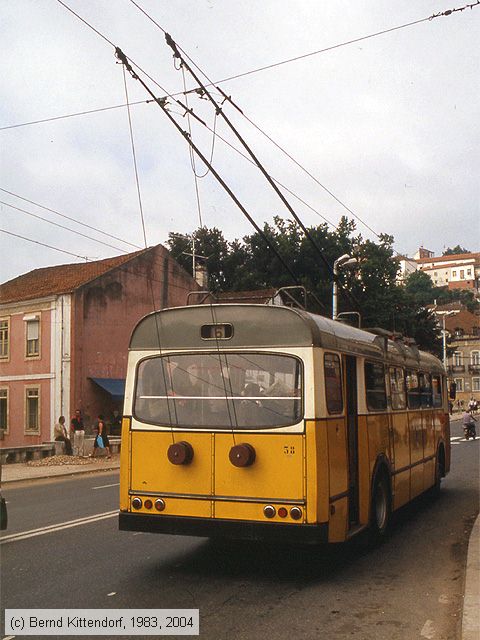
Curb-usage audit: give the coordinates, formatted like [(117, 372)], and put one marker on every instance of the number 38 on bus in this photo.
[(269, 422)]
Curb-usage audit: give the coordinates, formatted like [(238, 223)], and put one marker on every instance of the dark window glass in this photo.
[(425, 386), (413, 390), (375, 386), (333, 383), (220, 391), (437, 391), (397, 388)]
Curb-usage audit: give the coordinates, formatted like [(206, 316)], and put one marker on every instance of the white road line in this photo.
[(8, 637), (57, 527), (105, 486)]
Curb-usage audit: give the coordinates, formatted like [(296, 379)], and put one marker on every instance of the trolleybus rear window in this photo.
[(219, 390)]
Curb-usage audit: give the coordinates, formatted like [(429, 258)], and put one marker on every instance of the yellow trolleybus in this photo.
[(269, 422)]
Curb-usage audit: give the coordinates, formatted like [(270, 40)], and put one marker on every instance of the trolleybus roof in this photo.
[(267, 326)]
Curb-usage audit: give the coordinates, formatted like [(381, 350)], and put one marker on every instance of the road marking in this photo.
[(105, 486), (57, 527), (8, 637)]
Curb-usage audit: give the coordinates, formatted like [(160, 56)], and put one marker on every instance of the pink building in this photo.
[(64, 335)]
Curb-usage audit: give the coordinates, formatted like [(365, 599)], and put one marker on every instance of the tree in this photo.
[(419, 286), (455, 251), (369, 288)]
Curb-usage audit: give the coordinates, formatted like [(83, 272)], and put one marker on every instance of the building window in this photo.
[(459, 383), (32, 410), (4, 337), (333, 383), (475, 384), (454, 274), (469, 272), (462, 274), (457, 358), (4, 410), (475, 357), (33, 338)]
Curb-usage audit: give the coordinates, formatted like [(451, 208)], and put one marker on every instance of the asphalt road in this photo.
[(410, 587)]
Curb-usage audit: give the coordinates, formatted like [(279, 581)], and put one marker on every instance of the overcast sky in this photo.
[(388, 124)]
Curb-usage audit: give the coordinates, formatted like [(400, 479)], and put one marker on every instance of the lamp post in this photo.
[(444, 335), (342, 261)]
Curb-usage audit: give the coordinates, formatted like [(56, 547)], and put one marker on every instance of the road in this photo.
[(410, 587)]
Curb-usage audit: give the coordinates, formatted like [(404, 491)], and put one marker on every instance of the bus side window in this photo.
[(425, 385), (333, 383), (437, 391), (397, 388), (413, 390), (375, 386)]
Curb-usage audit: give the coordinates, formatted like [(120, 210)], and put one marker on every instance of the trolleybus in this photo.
[(269, 422)]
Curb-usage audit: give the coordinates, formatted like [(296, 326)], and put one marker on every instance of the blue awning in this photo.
[(114, 386)]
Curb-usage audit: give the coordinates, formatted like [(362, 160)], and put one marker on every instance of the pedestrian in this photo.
[(78, 434), (101, 440), (471, 405), (61, 435)]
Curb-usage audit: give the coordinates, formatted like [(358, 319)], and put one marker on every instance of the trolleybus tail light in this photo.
[(148, 504), (282, 512), (295, 513), (269, 511), (159, 504), (136, 503)]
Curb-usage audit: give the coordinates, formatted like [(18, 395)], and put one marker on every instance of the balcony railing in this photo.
[(456, 368), (474, 368)]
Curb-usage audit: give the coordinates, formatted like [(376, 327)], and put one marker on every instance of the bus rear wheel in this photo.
[(380, 512)]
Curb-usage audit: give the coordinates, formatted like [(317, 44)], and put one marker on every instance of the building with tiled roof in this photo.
[(64, 335), (456, 271)]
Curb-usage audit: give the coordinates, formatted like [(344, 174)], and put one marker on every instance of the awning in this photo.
[(114, 386)]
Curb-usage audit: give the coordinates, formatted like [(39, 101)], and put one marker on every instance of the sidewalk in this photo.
[(471, 601), (57, 466)]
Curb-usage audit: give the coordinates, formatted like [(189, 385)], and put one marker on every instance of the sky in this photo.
[(388, 125)]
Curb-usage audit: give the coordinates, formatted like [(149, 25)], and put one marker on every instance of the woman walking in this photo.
[(101, 441)]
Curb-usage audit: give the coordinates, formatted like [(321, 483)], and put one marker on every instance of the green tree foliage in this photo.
[(455, 251), (369, 287)]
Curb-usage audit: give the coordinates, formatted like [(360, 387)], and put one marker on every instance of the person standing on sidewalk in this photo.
[(101, 440), (78, 434), (61, 435)]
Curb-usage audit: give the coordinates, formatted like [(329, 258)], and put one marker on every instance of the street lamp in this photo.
[(444, 315), (342, 261)]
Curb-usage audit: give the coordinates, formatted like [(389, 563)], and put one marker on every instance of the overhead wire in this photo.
[(61, 226), (172, 44), (149, 280), (16, 235), (192, 160), (211, 83), (62, 215)]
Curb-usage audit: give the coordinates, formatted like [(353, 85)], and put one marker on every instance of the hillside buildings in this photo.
[(461, 271)]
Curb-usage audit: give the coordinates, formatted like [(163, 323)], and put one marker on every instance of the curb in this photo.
[(71, 472), (471, 610)]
